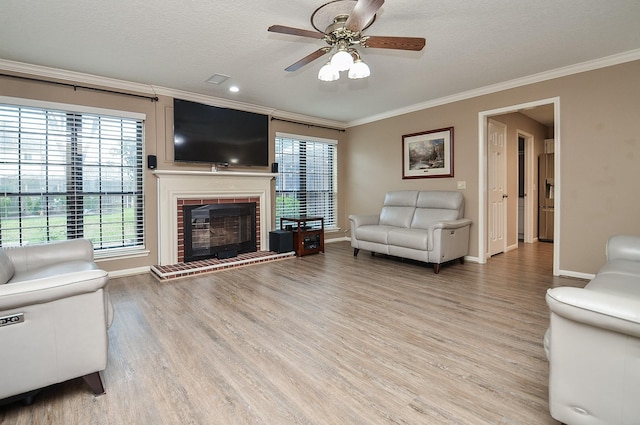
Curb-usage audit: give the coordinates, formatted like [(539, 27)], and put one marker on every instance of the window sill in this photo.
[(120, 254)]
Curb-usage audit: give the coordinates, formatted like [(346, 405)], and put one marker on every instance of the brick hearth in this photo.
[(193, 268)]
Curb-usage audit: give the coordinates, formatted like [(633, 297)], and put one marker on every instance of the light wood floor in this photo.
[(323, 339)]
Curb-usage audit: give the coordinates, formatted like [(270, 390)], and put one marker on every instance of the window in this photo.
[(306, 184), (67, 174)]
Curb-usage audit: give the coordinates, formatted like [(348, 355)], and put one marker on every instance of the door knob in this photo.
[(505, 196)]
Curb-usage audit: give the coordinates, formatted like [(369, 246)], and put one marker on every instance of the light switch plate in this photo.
[(462, 185)]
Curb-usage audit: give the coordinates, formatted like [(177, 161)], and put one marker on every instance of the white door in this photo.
[(497, 179)]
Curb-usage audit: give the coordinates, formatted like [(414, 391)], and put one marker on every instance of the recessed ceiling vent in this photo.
[(218, 79)]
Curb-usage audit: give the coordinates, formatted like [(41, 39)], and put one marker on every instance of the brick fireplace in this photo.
[(216, 232), (179, 188)]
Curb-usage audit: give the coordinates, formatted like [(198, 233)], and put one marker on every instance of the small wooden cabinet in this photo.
[(308, 234)]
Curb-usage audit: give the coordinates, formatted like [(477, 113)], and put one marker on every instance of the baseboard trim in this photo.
[(129, 272)]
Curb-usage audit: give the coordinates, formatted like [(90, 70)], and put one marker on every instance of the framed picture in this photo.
[(428, 154)]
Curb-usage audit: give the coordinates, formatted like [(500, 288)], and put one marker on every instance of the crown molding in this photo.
[(79, 77), (607, 61), (73, 76), (233, 104), (82, 78)]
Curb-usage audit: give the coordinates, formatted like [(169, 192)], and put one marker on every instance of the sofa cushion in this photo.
[(424, 218), (373, 233), (621, 267), (396, 216), (435, 206), (442, 200), (409, 238), (6, 268), (67, 267), (624, 285), (401, 198)]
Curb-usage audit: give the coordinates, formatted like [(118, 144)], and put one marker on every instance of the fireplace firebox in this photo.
[(219, 230)]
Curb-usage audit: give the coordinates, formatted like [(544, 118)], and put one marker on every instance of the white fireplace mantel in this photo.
[(173, 185)]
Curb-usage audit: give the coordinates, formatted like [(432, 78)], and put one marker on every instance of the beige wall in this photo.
[(600, 158), (600, 155)]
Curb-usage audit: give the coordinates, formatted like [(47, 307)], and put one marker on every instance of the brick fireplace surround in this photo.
[(211, 201), (178, 188)]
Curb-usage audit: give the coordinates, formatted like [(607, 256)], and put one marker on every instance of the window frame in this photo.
[(331, 223), (101, 251)]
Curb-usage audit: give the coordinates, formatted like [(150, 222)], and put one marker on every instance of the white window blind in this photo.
[(306, 183), (67, 175)]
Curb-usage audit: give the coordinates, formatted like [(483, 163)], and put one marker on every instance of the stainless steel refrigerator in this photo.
[(545, 201)]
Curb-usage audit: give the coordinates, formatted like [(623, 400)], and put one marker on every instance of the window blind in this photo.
[(306, 183), (67, 175)]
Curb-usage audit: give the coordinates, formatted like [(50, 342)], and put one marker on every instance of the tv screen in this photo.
[(210, 134)]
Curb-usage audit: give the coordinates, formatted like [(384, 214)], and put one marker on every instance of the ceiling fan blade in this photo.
[(362, 13), (307, 59), (400, 43), (296, 31)]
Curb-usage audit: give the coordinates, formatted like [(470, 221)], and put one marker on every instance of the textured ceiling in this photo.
[(180, 44)]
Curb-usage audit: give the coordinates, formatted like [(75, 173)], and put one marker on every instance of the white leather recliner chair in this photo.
[(54, 315), (593, 343)]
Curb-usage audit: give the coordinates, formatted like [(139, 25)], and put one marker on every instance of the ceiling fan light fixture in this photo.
[(328, 73), (342, 60), (359, 70)]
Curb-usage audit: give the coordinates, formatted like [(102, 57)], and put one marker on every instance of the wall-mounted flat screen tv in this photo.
[(210, 134)]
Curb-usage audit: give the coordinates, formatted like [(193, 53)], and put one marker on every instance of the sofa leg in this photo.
[(355, 251), (436, 268), (95, 383), (30, 397), (461, 260), (26, 399)]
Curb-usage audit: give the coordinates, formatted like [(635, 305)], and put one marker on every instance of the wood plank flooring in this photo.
[(323, 339)]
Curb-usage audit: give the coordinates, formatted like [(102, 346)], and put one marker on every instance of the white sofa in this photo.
[(419, 225), (54, 315), (593, 343)]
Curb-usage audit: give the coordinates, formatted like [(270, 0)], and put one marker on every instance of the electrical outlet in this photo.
[(462, 185)]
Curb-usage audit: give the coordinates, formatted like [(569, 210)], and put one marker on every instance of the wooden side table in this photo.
[(308, 238)]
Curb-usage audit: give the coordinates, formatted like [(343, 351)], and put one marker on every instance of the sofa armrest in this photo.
[(38, 256), (451, 224), (623, 247), (47, 289), (616, 312), (362, 220)]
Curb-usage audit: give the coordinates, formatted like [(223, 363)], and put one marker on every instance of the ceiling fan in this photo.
[(340, 24)]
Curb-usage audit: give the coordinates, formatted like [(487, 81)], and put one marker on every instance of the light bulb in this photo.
[(328, 73), (358, 70), (342, 60)]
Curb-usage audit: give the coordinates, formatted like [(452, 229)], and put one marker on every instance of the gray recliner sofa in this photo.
[(54, 315), (593, 342), (425, 226)]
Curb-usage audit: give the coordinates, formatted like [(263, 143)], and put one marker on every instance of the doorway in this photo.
[(527, 223), (484, 164)]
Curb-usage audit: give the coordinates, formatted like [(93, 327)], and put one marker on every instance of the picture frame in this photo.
[(428, 154)]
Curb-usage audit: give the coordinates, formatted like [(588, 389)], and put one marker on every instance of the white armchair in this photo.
[(54, 315), (593, 343)]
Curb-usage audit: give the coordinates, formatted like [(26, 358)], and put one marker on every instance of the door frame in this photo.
[(529, 189), (483, 117)]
